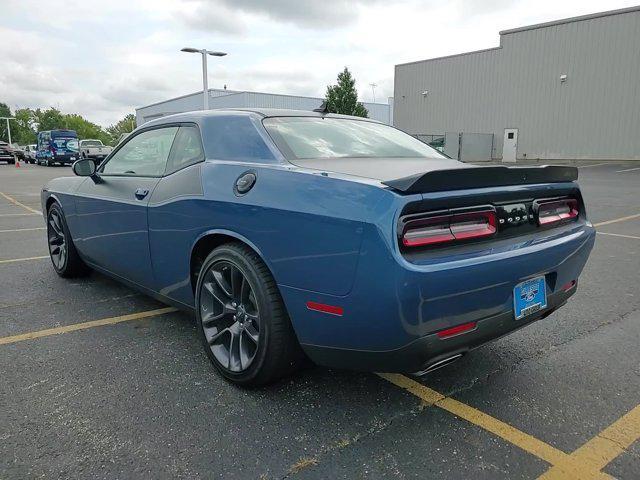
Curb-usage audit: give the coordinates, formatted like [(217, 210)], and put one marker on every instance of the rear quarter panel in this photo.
[(306, 227)]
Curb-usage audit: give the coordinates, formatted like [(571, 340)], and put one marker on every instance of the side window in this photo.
[(144, 155), (186, 150)]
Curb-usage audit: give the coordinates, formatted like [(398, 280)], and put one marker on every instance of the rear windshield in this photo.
[(316, 137), (91, 143)]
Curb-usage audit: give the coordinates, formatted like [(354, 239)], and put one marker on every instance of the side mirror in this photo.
[(84, 167)]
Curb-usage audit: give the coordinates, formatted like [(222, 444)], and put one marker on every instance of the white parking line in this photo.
[(628, 170)]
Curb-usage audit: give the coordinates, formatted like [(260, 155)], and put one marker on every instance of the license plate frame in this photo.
[(529, 297)]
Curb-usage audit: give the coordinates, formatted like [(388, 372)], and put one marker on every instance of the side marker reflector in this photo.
[(457, 330), (321, 307), (569, 286)]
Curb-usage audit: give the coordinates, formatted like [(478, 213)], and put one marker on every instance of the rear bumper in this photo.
[(392, 314), (429, 350)]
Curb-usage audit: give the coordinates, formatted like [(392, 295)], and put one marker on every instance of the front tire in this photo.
[(64, 256), (243, 323)]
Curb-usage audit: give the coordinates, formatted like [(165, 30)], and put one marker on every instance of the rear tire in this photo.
[(64, 256), (242, 320)]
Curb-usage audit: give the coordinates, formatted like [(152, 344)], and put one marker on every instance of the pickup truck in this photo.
[(7, 153), (94, 149)]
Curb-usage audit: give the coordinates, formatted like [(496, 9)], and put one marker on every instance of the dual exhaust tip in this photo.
[(439, 364)]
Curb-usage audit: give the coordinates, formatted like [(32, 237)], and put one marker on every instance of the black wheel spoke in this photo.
[(237, 279), (235, 364), (217, 336), (229, 316), (252, 333), (222, 282)]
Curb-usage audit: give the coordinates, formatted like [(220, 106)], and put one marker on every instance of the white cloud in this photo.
[(103, 59)]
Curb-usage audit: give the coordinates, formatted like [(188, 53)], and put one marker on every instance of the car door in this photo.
[(112, 207)]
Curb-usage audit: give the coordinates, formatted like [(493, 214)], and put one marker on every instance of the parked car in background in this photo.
[(94, 149), (19, 152), (30, 153), (57, 146), (6, 153), (340, 237)]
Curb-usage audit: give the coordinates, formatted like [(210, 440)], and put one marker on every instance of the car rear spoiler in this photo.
[(479, 177)]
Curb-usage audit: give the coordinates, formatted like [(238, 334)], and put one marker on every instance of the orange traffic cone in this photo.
[(17, 163)]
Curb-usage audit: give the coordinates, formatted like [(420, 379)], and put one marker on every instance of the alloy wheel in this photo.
[(230, 316), (58, 248)]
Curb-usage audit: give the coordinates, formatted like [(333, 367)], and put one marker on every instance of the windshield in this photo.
[(92, 143), (316, 137)]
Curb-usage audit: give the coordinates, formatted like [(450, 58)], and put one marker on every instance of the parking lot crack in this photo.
[(375, 429)]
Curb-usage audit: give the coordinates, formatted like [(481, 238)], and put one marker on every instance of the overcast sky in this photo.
[(104, 58)]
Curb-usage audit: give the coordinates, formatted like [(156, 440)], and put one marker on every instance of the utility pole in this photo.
[(373, 89), (8, 126)]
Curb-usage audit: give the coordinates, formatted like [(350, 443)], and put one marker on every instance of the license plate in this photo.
[(529, 297)]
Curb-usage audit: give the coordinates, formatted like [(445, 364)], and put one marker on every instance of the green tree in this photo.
[(126, 125), (49, 119), (84, 128), (343, 97), (23, 130)]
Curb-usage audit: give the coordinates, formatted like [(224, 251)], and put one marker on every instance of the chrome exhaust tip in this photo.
[(439, 364)]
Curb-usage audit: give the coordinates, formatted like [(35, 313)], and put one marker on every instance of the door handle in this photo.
[(141, 193)]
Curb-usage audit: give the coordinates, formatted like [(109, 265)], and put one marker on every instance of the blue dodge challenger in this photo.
[(303, 235)]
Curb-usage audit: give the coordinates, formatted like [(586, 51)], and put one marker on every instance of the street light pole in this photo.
[(373, 89), (205, 83), (8, 126)]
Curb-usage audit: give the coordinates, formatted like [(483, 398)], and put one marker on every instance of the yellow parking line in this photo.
[(23, 230), (616, 220), (596, 165), (13, 260), (511, 434), (84, 325), (601, 450), (17, 214), (20, 204), (619, 235), (571, 468)]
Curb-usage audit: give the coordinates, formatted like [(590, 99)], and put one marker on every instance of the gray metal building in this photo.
[(568, 89), (241, 99)]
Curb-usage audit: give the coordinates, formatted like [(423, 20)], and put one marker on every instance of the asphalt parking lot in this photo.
[(99, 381)]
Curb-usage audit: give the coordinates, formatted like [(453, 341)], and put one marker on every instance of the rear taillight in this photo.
[(556, 211), (449, 228)]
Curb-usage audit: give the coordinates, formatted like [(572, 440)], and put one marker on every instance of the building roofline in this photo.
[(580, 18), (188, 95), (531, 27), (473, 52), (236, 92)]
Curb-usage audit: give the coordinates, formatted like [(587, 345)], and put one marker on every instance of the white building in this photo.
[(241, 99)]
